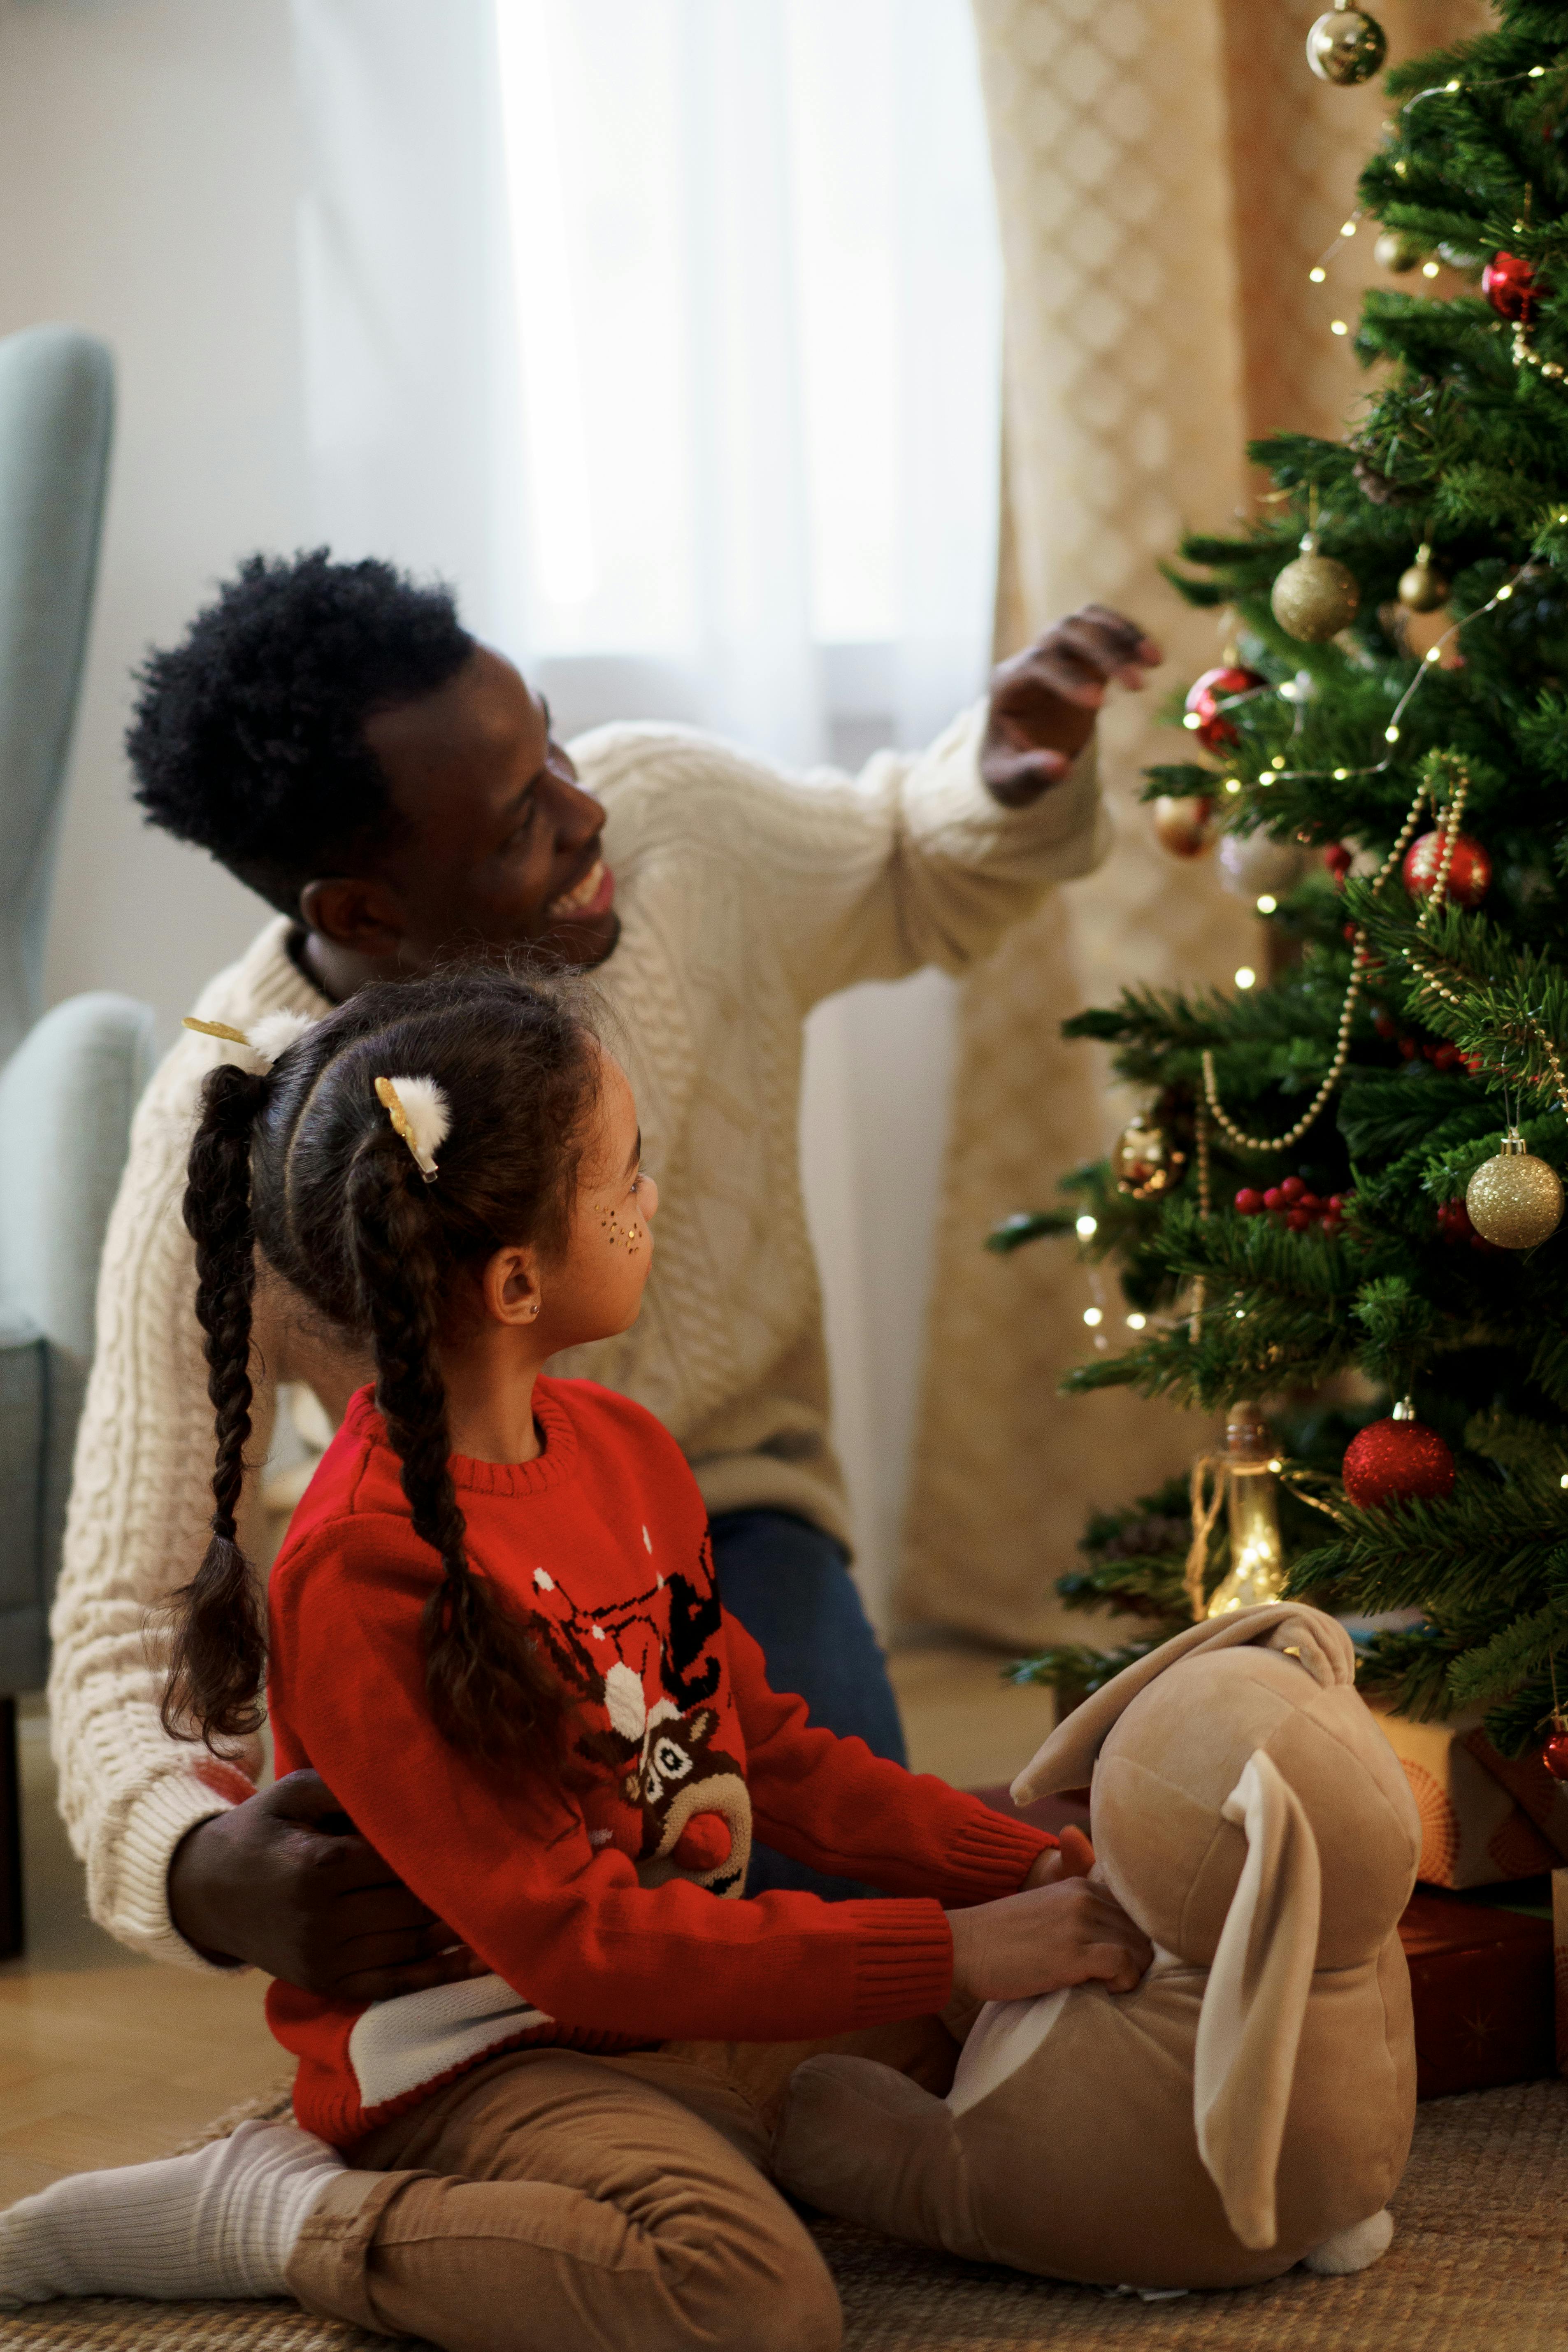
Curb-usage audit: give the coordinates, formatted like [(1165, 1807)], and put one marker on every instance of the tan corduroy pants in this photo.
[(554, 2202)]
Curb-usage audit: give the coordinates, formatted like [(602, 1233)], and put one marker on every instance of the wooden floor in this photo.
[(106, 2059)]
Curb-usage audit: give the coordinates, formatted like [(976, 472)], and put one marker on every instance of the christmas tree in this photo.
[(1340, 1202)]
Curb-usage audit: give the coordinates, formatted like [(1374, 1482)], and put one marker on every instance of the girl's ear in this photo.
[(511, 1286)]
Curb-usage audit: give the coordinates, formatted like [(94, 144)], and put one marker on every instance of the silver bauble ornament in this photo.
[(1515, 1200), (1254, 865), (1314, 597), (1422, 587), (1397, 251), (1347, 46), (1145, 1161)]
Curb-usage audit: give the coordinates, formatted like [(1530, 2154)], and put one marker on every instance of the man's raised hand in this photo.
[(1045, 700)]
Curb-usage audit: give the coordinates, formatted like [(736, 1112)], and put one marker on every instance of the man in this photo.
[(334, 736)]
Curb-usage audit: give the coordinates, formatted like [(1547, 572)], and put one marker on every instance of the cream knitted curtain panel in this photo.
[(1166, 176)]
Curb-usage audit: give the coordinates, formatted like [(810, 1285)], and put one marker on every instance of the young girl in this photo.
[(493, 1629)]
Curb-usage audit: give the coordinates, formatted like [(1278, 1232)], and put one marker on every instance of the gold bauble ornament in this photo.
[(1184, 825), (1422, 587), (1515, 1200), (1146, 1162), (1314, 597), (1397, 251), (1347, 46)]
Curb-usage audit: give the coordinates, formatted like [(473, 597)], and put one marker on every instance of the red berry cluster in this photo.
[(1437, 1051), (1454, 1226), (1292, 1201)]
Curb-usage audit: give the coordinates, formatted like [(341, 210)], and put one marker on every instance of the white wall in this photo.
[(147, 168)]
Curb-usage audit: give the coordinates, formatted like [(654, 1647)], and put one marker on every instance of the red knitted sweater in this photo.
[(595, 1900)]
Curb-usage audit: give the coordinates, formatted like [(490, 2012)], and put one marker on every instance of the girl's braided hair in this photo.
[(304, 1166)]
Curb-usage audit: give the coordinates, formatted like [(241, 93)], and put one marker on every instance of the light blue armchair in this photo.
[(68, 1080), (57, 404)]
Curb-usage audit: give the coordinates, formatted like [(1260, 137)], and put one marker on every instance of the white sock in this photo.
[(222, 2221)]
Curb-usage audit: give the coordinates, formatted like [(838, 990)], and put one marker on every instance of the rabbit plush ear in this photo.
[(1251, 2023), (1319, 1643)]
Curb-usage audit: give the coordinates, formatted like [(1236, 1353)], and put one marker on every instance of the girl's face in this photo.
[(595, 1288)]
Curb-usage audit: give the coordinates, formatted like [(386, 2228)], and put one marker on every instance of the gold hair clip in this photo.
[(269, 1037), (420, 1111)]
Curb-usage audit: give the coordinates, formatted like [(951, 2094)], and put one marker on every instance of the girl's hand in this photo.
[(1073, 1858), (1049, 1937)]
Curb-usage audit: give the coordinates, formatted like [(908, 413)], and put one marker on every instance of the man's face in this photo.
[(500, 844)]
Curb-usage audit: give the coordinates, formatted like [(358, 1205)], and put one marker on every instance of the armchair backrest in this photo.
[(55, 410), (66, 1099)]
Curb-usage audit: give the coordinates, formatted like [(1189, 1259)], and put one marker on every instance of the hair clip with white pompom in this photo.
[(418, 1110), (265, 1043)]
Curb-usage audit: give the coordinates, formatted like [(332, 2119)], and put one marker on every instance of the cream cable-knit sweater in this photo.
[(745, 895)]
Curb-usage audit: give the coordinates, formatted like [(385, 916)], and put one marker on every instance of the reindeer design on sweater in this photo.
[(648, 1670)]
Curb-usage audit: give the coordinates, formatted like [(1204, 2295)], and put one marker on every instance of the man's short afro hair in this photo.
[(248, 738)]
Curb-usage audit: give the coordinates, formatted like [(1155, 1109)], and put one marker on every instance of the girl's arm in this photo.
[(830, 1804), (503, 1854)]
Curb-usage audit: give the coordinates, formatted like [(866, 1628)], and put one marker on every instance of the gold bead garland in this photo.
[(1526, 355), (1430, 980), (1353, 993), (1456, 810), (1200, 1285)]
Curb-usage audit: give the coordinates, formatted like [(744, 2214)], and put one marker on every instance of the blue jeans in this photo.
[(789, 1584)]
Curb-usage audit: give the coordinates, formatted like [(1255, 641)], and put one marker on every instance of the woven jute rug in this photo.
[(1478, 2263)]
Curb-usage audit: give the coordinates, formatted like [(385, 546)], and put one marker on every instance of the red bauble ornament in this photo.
[(1555, 1755), (1214, 729), (1509, 285), (1469, 868), (1397, 1460)]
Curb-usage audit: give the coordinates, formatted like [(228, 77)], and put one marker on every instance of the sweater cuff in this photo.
[(165, 1810), (992, 1855), (903, 1959)]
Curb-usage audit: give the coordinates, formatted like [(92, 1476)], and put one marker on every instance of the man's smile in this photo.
[(591, 895)]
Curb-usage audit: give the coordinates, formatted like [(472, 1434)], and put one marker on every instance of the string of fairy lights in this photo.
[(1295, 691), (1523, 353)]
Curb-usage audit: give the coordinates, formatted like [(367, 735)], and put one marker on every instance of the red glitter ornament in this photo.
[(1509, 285), (1397, 1460), (1555, 1755), (1214, 729), (1469, 868)]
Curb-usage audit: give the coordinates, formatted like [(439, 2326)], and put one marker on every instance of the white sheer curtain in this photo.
[(669, 330)]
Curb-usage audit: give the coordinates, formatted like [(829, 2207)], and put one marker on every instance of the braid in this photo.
[(219, 1648), (488, 1686)]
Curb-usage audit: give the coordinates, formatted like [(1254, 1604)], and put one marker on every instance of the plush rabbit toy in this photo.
[(1251, 2103)]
